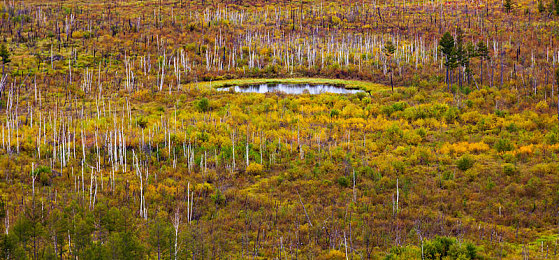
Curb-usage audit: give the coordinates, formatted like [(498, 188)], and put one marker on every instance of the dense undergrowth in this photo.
[(116, 145)]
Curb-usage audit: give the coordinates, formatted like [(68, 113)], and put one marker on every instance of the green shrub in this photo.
[(509, 169), (512, 127), (451, 114), (490, 184), (414, 113), (367, 172), (360, 95), (402, 252), (394, 131), (218, 198), (398, 106), (43, 175), (465, 162), (501, 113), (334, 113), (552, 137), (503, 145), (449, 248), (343, 181), (533, 186), (438, 248), (203, 105), (142, 122)]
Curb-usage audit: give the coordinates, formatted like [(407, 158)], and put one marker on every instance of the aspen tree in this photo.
[(176, 224)]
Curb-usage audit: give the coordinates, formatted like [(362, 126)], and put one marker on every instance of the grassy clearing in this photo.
[(349, 84)]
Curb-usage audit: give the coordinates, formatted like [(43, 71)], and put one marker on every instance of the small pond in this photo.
[(295, 89)]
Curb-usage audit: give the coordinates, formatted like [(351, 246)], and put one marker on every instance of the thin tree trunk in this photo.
[(481, 72), (391, 82), (447, 80)]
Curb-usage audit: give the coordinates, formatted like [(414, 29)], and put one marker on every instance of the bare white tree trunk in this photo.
[(189, 204), (397, 195), (247, 162), (33, 177), (91, 188), (94, 194), (176, 223), (7, 221), (345, 244), (354, 194), (233, 144)]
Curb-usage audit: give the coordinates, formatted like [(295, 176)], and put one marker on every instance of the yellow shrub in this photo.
[(525, 150), (255, 169), (333, 254), (471, 117), (478, 147), (542, 106), (554, 147), (77, 34), (464, 147)]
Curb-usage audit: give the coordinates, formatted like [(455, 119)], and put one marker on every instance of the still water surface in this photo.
[(295, 89)]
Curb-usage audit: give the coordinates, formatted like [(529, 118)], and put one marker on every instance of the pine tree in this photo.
[(160, 236), (483, 53), (2, 208), (447, 48), (58, 229), (5, 55), (508, 5), (389, 49)]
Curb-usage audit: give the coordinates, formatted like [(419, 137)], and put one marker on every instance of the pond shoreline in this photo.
[(348, 84), (291, 89)]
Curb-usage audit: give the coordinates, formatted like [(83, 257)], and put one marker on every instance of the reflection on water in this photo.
[(292, 89)]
